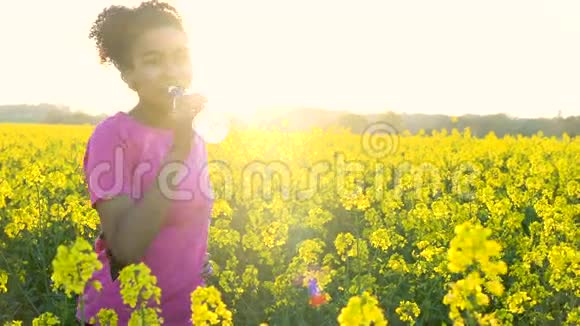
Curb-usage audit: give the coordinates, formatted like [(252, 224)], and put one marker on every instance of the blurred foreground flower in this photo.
[(472, 253), (105, 317), (73, 266), (145, 317), (139, 290), (13, 323), (208, 308), (362, 310)]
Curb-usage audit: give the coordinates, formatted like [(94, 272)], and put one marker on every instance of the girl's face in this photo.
[(160, 59)]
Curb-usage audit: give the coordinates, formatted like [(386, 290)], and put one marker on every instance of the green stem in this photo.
[(82, 303), (41, 242), (82, 311), (19, 285)]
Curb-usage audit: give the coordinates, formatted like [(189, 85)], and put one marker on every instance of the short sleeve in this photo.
[(107, 163)]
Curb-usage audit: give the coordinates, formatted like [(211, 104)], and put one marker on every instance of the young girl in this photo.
[(146, 169)]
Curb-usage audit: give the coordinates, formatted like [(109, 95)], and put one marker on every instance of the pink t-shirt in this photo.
[(123, 156)]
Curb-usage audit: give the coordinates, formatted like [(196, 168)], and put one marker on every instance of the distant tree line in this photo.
[(305, 118), (479, 125), (46, 113), (500, 124)]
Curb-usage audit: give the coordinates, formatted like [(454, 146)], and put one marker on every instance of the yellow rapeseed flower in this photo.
[(471, 246), (208, 308), (362, 310), (106, 317), (145, 317), (13, 323), (73, 266), (138, 285), (408, 311), (46, 319), (3, 281), (516, 302)]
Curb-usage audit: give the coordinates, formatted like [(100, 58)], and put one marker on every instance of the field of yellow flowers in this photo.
[(320, 228)]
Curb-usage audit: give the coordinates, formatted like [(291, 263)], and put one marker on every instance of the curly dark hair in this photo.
[(116, 28)]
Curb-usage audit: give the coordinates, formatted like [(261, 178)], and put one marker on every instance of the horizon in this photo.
[(452, 58)]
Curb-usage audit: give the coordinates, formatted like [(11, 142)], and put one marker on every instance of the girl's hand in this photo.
[(207, 270), (187, 107)]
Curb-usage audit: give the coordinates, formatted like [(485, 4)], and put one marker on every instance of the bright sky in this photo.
[(520, 57)]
